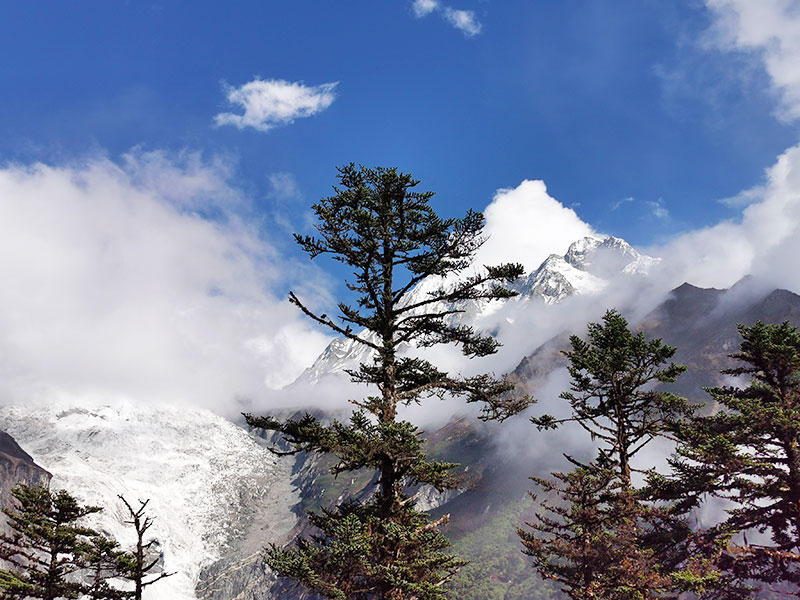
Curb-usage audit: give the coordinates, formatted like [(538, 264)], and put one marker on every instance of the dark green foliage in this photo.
[(595, 535), (101, 558), (589, 539), (46, 546), (748, 453), (52, 556), (393, 241), (12, 587), (361, 554), (612, 395)]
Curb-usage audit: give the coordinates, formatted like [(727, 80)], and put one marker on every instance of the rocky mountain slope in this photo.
[(17, 467), (701, 323)]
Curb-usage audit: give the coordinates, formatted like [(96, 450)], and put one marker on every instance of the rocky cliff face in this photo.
[(699, 322), (16, 467)]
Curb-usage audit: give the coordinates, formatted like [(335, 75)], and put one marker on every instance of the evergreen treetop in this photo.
[(612, 393), (597, 537), (45, 546)]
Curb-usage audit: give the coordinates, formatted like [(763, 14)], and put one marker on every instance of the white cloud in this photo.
[(744, 198), (112, 285), (268, 103), (772, 29), (765, 241), (423, 8), (283, 187), (464, 20), (526, 225), (657, 209)]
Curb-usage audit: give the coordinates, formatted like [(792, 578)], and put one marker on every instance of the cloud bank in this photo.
[(268, 103), (765, 239), (115, 286), (525, 224)]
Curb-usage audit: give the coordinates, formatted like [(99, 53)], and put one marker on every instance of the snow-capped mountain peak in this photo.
[(585, 269), (557, 279), (605, 257)]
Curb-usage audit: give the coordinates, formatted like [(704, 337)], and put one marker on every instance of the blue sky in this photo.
[(603, 100), (155, 158)]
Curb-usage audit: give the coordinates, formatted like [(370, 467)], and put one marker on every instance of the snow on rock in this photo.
[(341, 354), (198, 470), (557, 279), (579, 251)]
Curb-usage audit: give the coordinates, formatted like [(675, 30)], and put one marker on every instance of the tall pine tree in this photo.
[(595, 536), (387, 233)]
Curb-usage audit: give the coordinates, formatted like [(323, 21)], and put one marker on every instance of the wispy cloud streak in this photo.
[(464, 20)]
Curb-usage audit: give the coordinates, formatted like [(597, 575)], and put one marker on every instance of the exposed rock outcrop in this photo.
[(16, 467)]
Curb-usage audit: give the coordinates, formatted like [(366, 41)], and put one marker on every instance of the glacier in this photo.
[(205, 477)]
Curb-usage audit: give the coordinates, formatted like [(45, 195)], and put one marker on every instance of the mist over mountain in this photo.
[(218, 496)]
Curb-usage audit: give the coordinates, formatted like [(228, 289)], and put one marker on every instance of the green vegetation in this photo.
[(497, 570), (601, 537), (48, 545), (747, 453), (595, 536)]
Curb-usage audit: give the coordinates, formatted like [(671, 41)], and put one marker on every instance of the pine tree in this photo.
[(102, 558), (612, 395), (391, 238), (748, 453), (598, 538), (45, 546)]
